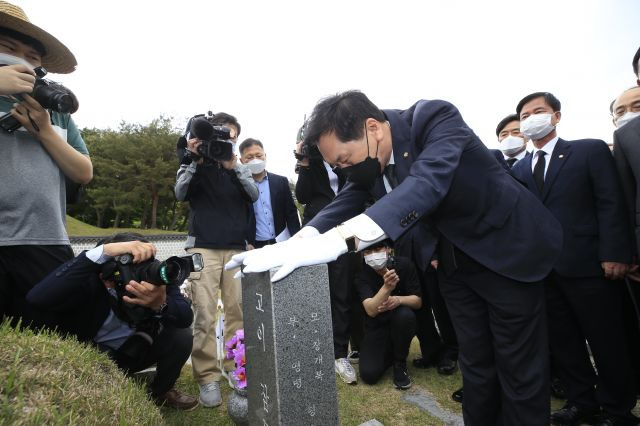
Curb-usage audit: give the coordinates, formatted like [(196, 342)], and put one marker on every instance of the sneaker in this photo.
[(345, 371), (210, 394), (354, 357), (177, 400), (401, 378)]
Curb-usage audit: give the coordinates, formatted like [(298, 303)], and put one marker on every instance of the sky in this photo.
[(269, 62)]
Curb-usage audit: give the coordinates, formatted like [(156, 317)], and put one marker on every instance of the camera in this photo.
[(49, 94), (391, 262), (122, 270), (216, 140)]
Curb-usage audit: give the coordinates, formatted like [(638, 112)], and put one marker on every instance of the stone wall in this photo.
[(167, 245)]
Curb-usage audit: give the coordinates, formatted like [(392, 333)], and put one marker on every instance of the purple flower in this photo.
[(241, 377), (240, 334), (239, 356)]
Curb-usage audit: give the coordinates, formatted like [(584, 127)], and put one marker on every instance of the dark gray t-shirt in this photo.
[(32, 186)]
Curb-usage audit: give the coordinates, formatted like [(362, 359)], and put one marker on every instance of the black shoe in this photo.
[(458, 395), (607, 420), (447, 367), (425, 362), (570, 415), (401, 378), (557, 389)]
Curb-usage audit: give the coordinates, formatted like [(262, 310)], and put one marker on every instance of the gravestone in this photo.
[(289, 349)]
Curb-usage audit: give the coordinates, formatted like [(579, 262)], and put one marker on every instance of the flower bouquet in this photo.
[(235, 351)]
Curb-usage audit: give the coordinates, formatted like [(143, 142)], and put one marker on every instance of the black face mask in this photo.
[(365, 172)]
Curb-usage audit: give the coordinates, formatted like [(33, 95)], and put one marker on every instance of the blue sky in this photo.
[(268, 63)]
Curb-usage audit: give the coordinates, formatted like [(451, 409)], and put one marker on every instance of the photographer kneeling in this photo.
[(390, 293), (98, 300)]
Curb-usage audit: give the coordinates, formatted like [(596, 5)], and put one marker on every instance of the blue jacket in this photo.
[(450, 181), (285, 213), (583, 193), (75, 293)]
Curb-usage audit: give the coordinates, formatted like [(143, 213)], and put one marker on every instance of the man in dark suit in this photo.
[(577, 182), (444, 177), (149, 324), (512, 144), (275, 214)]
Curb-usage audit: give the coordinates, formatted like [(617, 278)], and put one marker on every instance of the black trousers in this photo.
[(169, 352), (630, 305), (387, 338), (21, 268), (502, 333), (589, 309), (434, 345), (341, 275)]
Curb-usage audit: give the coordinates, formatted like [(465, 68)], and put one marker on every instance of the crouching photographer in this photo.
[(117, 297)]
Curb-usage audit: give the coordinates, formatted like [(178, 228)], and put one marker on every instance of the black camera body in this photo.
[(391, 262), (51, 95), (121, 270)]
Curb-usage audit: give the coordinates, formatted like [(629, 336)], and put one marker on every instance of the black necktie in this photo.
[(511, 162), (390, 173), (538, 171)]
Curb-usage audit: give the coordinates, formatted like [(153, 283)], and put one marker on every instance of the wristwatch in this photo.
[(162, 309), (349, 238)]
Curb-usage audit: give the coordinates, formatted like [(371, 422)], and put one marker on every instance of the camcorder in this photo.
[(305, 152), (216, 140), (51, 95), (121, 270)]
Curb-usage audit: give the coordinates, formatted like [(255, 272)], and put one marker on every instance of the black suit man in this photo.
[(626, 152), (83, 295), (274, 210), (444, 177), (577, 182)]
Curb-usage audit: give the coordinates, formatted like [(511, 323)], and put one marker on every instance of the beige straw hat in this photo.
[(57, 59)]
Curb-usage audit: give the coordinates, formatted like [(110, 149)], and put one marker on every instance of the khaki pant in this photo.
[(204, 293)]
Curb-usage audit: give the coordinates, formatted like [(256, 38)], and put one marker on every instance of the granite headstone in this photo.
[(289, 349)]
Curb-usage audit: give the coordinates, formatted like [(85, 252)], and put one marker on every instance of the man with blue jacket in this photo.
[(428, 170)]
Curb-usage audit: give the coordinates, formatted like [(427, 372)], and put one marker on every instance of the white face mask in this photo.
[(627, 117), (511, 145), (256, 166), (377, 260), (537, 126)]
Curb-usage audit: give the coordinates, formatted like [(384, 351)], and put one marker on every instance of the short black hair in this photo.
[(123, 237), (222, 118), (508, 119), (636, 58), (344, 114), (248, 143), (39, 47), (551, 100)]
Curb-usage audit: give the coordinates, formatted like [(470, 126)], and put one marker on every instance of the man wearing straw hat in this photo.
[(34, 161)]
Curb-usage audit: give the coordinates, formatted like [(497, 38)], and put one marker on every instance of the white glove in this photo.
[(291, 254)]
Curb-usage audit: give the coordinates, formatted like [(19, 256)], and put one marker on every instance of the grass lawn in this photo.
[(76, 228), (357, 404)]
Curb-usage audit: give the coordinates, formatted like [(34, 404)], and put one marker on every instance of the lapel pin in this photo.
[(561, 155), (405, 155)]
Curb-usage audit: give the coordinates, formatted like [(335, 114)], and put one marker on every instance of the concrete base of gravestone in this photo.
[(289, 349)]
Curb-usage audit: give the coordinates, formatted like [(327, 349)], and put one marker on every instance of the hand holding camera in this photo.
[(146, 294), (16, 78), (390, 279), (139, 250)]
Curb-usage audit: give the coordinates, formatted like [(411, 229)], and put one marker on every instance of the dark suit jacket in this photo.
[(626, 151), (75, 293), (313, 188), (283, 208), (451, 181), (583, 192)]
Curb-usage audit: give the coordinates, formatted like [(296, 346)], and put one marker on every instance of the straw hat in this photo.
[(57, 59)]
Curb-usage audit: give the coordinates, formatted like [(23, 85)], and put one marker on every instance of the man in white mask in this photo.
[(578, 183), (390, 293), (275, 214), (512, 143)]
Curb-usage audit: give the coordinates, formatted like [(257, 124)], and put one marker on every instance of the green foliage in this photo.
[(48, 380), (134, 174)]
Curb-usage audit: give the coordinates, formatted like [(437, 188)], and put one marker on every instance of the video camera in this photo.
[(306, 152), (173, 271), (216, 140), (51, 95)]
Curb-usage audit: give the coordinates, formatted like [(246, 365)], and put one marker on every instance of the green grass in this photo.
[(76, 228), (48, 380)]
